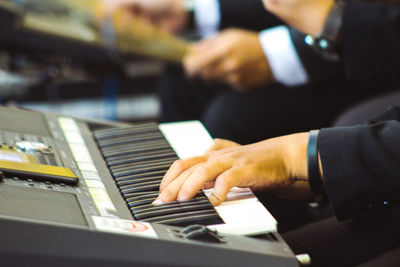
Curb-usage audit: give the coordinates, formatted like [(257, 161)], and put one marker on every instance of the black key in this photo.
[(139, 181), (206, 219), (142, 202), (159, 142), (141, 194), (146, 158), (151, 187), (121, 150), (136, 146), (137, 154), (134, 171), (146, 183), (176, 210), (151, 210), (137, 129), (146, 205), (124, 130), (144, 164), (186, 217), (141, 175), (130, 139), (126, 133)]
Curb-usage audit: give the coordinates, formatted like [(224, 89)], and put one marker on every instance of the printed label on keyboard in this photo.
[(124, 227)]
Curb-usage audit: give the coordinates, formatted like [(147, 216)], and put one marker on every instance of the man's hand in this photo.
[(234, 57), (168, 15), (278, 165), (308, 16)]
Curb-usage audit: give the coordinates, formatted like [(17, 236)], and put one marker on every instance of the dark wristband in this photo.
[(314, 177)]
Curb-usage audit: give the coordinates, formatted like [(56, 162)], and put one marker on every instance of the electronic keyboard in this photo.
[(84, 182)]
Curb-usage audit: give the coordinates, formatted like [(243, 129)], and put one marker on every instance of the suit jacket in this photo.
[(251, 15), (247, 14), (371, 42), (370, 47), (361, 166)]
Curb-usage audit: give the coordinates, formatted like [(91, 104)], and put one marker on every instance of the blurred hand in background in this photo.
[(167, 15), (234, 57)]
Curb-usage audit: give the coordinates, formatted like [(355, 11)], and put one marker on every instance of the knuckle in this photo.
[(232, 31), (201, 170), (218, 140), (217, 143), (233, 65), (229, 31), (179, 165)]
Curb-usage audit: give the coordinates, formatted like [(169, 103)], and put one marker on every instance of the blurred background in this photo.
[(67, 57)]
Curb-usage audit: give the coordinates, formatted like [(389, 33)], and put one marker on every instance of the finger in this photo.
[(177, 168), (201, 174), (208, 185), (197, 51), (199, 61), (225, 182), (170, 192), (221, 69), (229, 66), (204, 45), (210, 73), (219, 144)]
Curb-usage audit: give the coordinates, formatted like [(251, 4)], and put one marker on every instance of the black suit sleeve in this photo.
[(371, 42), (361, 166), (247, 14)]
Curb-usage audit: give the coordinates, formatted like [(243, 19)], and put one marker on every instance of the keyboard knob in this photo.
[(201, 233)]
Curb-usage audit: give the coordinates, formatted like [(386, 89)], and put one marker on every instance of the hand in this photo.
[(168, 15), (308, 16), (278, 165), (234, 57)]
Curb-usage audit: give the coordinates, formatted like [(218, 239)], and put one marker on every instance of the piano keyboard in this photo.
[(241, 213), (138, 158)]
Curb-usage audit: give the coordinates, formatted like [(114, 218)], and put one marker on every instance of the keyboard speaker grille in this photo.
[(39, 204)]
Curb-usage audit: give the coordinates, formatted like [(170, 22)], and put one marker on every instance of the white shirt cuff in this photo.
[(207, 16), (283, 59)]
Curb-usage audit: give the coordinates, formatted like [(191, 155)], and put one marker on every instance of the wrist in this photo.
[(321, 16), (326, 41), (295, 155)]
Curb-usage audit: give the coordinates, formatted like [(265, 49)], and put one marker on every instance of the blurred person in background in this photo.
[(355, 167), (249, 65)]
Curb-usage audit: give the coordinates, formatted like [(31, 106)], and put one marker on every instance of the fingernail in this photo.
[(214, 199), (157, 202)]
